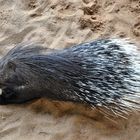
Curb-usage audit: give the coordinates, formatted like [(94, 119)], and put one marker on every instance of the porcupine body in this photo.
[(102, 73)]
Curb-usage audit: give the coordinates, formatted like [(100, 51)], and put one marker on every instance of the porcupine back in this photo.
[(114, 74)]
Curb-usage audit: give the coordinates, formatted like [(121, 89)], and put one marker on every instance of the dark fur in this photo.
[(91, 73)]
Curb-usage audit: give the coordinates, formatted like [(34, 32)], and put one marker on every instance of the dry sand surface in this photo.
[(59, 24)]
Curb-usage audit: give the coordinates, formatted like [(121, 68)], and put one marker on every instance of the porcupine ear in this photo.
[(11, 65)]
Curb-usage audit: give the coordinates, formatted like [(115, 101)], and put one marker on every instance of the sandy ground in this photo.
[(59, 24)]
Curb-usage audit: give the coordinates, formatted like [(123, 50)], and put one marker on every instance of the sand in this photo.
[(59, 24)]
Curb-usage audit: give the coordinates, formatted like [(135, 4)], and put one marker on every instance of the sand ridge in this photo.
[(59, 24)]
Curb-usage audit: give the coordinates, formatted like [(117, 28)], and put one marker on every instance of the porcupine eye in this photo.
[(11, 65)]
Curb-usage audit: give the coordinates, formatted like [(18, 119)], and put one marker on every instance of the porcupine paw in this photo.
[(6, 96)]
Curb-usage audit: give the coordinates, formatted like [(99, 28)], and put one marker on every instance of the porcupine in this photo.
[(103, 73)]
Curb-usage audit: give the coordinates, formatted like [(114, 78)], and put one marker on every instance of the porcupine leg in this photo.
[(6, 96), (10, 96)]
